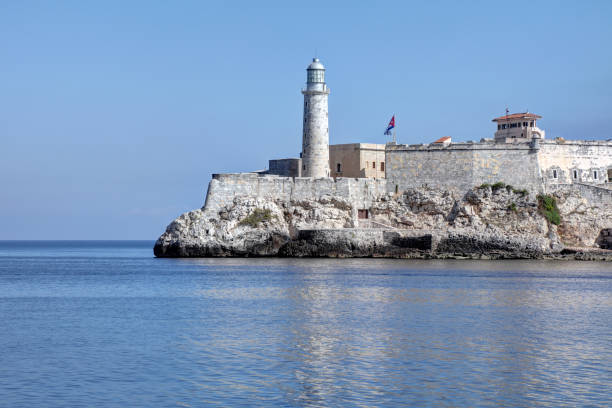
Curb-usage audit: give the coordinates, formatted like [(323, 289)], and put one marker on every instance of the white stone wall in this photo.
[(461, 166), (315, 142), (586, 158), (223, 188)]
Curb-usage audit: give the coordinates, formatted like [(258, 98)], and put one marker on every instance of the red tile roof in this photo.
[(524, 115), (443, 139)]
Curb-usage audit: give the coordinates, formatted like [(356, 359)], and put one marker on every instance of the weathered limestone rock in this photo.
[(418, 223)]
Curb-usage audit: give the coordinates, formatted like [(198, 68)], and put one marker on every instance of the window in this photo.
[(524, 124), (362, 214), (339, 168), (382, 166), (595, 174), (498, 127), (554, 174), (316, 75), (373, 165), (531, 123), (575, 174)]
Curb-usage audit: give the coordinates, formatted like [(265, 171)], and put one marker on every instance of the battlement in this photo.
[(223, 188)]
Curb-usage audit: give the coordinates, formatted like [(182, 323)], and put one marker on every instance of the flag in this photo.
[(391, 125)]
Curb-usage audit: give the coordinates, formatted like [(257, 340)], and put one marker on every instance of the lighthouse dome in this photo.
[(316, 64)]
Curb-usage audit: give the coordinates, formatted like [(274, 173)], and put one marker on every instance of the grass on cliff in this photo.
[(500, 184), (256, 217), (548, 208)]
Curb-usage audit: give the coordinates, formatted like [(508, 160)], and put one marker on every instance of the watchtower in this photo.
[(518, 127)]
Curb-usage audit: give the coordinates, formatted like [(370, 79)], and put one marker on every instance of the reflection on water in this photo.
[(129, 330)]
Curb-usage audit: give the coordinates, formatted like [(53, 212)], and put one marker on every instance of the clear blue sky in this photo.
[(114, 114)]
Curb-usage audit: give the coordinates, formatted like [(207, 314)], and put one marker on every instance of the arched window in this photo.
[(339, 168)]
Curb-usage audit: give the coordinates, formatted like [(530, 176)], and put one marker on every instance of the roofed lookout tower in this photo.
[(518, 127), (315, 135)]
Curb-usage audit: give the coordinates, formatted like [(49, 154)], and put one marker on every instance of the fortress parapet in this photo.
[(521, 163)]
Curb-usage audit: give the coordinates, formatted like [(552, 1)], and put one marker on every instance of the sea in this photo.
[(106, 324)]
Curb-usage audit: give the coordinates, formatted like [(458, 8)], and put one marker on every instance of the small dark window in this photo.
[(531, 123), (382, 166), (498, 127), (555, 174), (339, 168), (304, 167), (575, 174), (373, 165), (362, 214), (595, 174)]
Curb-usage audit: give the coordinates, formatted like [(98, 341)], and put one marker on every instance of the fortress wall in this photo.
[(585, 157), (595, 195), (461, 166), (516, 165), (409, 166), (223, 188)]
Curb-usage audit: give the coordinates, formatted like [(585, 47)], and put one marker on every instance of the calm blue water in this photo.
[(106, 324)]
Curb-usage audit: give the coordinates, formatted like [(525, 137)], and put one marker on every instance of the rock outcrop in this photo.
[(484, 223)]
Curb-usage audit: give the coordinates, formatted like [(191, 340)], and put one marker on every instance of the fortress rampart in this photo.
[(224, 188), (575, 161), (461, 166), (535, 165)]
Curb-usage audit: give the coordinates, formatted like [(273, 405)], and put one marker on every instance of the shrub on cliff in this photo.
[(521, 191), (498, 186), (256, 217), (547, 205)]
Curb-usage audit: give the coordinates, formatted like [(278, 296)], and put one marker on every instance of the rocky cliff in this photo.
[(485, 222)]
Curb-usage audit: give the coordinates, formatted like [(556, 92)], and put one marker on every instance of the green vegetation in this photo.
[(548, 208), (257, 217), (521, 191), (498, 186), (512, 207)]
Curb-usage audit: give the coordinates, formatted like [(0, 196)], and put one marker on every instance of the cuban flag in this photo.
[(391, 125)]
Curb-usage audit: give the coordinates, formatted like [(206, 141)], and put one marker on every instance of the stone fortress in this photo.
[(518, 154), (401, 200)]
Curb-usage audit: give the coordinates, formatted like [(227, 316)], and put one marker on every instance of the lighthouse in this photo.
[(315, 135)]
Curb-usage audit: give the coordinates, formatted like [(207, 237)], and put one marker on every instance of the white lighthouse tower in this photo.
[(315, 137)]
